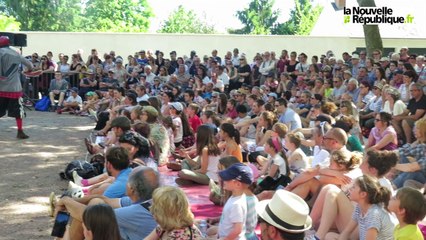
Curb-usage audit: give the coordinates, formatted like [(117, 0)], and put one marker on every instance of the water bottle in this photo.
[(203, 227)]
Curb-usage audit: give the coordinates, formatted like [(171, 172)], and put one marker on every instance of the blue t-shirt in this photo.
[(118, 188), (291, 118), (134, 221)]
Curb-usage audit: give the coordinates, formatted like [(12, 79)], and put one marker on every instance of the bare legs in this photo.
[(332, 208)]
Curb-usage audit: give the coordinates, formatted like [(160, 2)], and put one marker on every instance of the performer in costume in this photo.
[(10, 84)]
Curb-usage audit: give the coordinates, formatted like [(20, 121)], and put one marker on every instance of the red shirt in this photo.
[(195, 122)]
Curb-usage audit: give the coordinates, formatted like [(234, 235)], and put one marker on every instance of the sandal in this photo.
[(89, 146), (175, 166), (52, 204)]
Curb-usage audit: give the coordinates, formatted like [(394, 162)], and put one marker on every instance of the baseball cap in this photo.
[(355, 56), (378, 85), (272, 94), (348, 72), (150, 111), (239, 172), (176, 105), (118, 60), (90, 93), (122, 122), (74, 89)]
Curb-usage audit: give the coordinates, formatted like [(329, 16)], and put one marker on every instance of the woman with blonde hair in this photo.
[(411, 156), (170, 209)]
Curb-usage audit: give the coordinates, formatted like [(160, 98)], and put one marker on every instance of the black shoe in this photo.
[(22, 135)]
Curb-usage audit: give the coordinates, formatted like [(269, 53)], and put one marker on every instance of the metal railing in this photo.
[(34, 87)]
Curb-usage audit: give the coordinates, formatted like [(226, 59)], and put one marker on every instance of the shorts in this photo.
[(13, 106)]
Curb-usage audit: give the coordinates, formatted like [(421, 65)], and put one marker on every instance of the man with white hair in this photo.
[(149, 76), (403, 54), (267, 67), (352, 89), (355, 65)]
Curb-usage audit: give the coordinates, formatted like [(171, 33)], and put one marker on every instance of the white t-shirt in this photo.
[(279, 161), (302, 67), (234, 211), (398, 108), (320, 157), (179, 129), (224, 78), (355, 173), (206, 80), (143, 98), (219, 84), (77, 99), (212, 168), (299, 164)]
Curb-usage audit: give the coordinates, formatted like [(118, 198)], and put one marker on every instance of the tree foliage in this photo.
[(302, 19), (78, 15), (182, 21), (117, 16), (258, 18), (8, 24)]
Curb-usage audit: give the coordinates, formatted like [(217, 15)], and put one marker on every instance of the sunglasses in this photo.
[(322, 124)]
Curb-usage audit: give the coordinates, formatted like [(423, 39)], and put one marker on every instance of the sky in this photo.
[(220, 13)]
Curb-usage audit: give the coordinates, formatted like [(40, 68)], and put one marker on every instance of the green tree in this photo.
[(373, 39), (183, 21), (258, 18), (302, 19), (44, 15), (34, 15), (117, 16), (8, 24)]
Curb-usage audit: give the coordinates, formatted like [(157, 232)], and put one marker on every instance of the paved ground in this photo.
[(29, 169)]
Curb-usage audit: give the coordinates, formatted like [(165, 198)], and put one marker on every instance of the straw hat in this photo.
[(285, 211)]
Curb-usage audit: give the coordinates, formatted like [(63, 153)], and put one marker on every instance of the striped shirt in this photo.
[(376, 217)]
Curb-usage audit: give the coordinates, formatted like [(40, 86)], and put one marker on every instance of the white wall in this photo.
[(128, 43)]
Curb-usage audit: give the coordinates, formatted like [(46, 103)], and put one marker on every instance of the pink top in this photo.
[(377, 137), (233, 113)]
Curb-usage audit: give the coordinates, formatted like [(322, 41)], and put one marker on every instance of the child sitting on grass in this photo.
[(409, 206)]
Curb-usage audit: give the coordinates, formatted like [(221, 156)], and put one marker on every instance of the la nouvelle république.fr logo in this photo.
[(374, 15)]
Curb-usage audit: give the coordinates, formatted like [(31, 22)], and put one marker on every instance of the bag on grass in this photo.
[(83, 168), (43, 104)]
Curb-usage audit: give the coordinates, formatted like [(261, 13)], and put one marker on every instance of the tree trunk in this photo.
[(373, 40)]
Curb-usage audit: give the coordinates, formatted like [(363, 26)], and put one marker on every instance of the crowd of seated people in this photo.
[(345, 136)]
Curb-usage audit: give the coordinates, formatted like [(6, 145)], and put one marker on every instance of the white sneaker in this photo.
[(74, 190), (93, 114), (77, 179)]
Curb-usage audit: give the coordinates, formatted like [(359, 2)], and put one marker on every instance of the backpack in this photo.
[(43, 104), (83, 168)]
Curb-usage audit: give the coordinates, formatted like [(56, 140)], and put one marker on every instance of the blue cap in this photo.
[(74, 89), (239, 172), (398, 71)]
